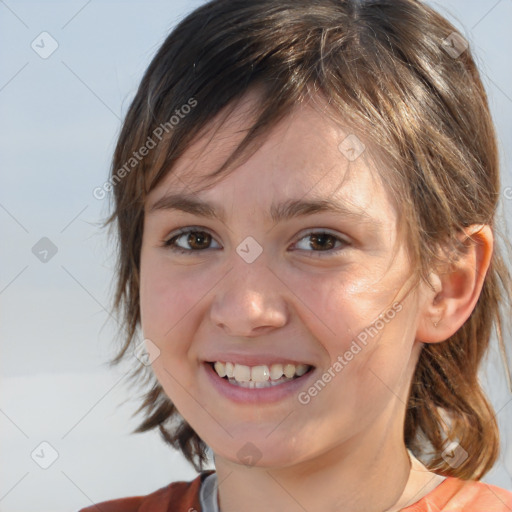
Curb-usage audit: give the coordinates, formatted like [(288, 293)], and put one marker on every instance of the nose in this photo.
[(249, 301)]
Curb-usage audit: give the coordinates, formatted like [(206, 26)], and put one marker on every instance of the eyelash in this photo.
[(171, 242)]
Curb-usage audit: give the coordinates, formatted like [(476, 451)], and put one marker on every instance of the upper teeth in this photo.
[(260, 373)]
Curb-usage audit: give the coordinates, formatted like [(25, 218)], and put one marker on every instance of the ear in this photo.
[(457, 287)]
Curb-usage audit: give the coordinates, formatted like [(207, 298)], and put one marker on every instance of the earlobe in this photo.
[(456, 290)]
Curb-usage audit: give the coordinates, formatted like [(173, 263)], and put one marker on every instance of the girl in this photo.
[(305, 198)]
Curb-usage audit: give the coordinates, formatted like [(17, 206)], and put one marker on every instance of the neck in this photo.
[(372, 478)]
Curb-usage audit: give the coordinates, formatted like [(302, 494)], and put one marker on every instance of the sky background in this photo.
[(59, 119)]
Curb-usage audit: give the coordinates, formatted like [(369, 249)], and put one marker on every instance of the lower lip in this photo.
[(256, 395)]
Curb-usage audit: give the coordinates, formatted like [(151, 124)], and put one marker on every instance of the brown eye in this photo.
[(198, 240), (322, 242), (189, 240)]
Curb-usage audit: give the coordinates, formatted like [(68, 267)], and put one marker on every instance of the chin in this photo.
[(260, 452)]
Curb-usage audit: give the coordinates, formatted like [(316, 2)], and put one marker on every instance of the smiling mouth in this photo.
[(259, 376)]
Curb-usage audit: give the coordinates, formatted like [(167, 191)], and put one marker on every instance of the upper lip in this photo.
[(254, 359)]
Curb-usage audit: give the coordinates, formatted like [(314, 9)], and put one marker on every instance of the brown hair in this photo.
[(386, 70)]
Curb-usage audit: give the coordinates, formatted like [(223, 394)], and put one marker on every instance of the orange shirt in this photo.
[(451, 495)]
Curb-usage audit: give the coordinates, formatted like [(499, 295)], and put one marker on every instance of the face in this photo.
[(287, 305)]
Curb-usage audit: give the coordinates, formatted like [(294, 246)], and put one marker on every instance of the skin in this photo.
[(344, 450)]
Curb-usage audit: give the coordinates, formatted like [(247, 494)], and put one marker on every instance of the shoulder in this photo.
[(183, 496), (456, 495)]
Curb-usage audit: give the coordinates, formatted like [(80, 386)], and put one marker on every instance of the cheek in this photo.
[(160, 308), (154, 299), (167, 302), (169, 299), (357, 317), (380, 354), (340, 308)]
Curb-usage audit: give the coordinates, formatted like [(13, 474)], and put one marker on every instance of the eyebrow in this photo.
[(278, 212)]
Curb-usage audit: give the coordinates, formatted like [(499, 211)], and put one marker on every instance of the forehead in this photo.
[(307, 155)]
